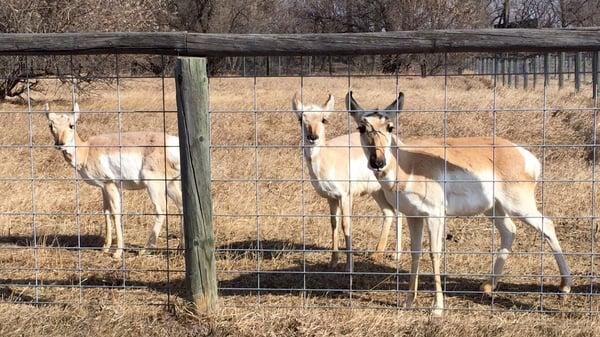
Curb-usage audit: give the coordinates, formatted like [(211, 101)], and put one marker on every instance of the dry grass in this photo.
[(60, 266)]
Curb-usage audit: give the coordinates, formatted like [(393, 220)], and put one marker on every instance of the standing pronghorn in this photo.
[(435, 178), (340, 176), (131, 160)]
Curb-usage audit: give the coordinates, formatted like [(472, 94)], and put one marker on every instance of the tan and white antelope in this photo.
[(340, 176), (435, 178), (129, 160)]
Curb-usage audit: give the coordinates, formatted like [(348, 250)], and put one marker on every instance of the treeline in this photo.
[(262, 16)]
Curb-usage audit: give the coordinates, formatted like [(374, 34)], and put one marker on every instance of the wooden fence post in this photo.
[(584, 66), (509, 72), (594, 74), (546, 69), (568, 67), (577, 73), (516, 71), (534, 65), (496, 68), (561, 75), (503, 66), (525, 73), (194, 141)]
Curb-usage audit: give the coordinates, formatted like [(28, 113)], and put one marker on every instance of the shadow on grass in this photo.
[(64, 241), (371, 283)]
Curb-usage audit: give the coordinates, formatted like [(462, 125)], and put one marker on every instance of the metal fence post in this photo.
[(194, 144)]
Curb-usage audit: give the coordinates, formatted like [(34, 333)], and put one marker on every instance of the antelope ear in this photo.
[(395, 107), (398, 104), (297, 106), (355, 110), (75, 112), (329, 105)]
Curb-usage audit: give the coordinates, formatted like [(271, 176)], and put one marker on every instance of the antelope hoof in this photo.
[(378, 257), (487, 287), (106, 249), (437, 313), (334, 260), (565, 287), (142, 251), (118, 254)]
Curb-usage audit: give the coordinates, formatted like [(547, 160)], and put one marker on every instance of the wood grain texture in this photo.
[(194, 139), (196, 44), (577, 72)]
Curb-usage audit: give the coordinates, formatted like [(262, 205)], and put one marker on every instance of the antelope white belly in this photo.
[(126, 167), (327, 185), (468, 194)]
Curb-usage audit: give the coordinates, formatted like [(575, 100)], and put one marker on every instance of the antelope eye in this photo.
[(390, 128), (324, 121), (72, 126), (362, 129)]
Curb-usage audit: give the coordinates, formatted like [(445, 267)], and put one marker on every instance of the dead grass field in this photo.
[(292, 272)]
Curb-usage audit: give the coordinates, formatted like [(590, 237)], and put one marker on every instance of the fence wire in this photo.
[(273, 230)]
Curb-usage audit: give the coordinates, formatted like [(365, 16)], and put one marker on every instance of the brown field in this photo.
[(299, 295)]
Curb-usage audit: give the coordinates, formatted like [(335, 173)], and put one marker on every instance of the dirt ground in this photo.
[(272, 230)]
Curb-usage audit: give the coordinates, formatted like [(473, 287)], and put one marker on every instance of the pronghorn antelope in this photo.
[(340, 176), (130, 160), (431, 179)]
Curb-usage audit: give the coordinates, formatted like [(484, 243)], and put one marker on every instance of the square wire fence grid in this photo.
[(273, 230)]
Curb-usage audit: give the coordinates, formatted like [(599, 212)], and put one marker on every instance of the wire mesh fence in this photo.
[(273, 228)]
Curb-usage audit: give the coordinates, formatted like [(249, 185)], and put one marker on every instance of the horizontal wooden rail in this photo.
[(196, 44)]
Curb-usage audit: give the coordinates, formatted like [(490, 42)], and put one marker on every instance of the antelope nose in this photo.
[(376, 163), (312, 137)]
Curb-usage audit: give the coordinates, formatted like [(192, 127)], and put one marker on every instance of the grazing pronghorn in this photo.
[(340, 176), (431, 179), (131, 160)]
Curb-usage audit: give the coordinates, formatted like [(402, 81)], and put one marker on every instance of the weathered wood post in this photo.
[(569, 67), (546, 69), (525, 74), (516, 71), (509, 72), (584, 66), (560, 70), (194, 141), (534, 65), (594, 74), (496, 69), (577, 73), (503, 65), (561, 73)]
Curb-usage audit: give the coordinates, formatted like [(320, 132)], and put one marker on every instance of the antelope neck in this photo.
[(82, 150)]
